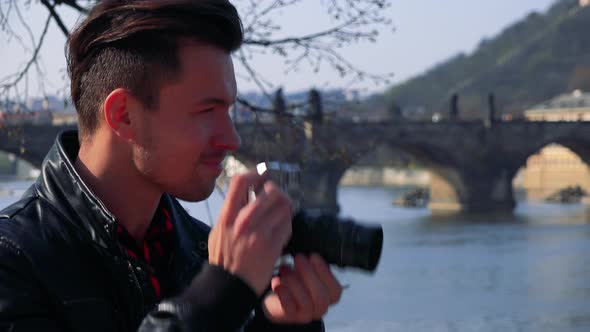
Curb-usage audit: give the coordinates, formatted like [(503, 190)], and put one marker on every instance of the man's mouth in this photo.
[(215, 161)]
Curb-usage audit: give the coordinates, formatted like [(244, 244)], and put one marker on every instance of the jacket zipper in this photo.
[(138, 287)]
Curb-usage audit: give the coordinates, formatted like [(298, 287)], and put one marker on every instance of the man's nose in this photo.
[(227, 137)]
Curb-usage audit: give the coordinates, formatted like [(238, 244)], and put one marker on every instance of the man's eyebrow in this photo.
[(215, 100)]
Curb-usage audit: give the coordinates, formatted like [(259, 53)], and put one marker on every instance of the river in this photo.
[(526, 271)]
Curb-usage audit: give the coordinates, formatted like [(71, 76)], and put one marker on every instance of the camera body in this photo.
[(341, 242)]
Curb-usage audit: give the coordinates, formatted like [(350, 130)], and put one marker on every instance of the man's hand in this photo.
[(249, 237), (302, 294)]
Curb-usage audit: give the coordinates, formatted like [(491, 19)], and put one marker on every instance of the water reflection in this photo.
[(526, 271)]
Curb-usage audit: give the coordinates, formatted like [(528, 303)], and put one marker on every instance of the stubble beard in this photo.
[(198, 189), (195, 188)]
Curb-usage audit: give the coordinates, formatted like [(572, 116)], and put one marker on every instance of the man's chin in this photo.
[(201, 194)]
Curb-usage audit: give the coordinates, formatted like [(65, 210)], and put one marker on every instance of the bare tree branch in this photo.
[(352, 21), (25, 24), (260, 109), (6, 27), (253, 74), (74, 4), (355, 22), (33, 59), (302, 39), (56, 17)]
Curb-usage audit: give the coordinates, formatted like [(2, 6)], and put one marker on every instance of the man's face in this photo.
[(180, 147)]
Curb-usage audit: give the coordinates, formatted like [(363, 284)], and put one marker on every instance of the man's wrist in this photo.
[(218, 297)]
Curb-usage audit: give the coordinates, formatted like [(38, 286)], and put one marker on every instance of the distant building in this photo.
[(47, 103), (573, 106), (556, 167), (64, 118), (352, 95)]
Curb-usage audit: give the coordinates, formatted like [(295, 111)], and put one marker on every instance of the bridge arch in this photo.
[(477, 161), (445, 182), (555, 164), (31, 142), (20, 155), (13, 166)]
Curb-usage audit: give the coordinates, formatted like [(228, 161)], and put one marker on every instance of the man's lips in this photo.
[(213, 160)]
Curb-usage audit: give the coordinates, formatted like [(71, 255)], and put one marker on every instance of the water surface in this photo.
[(526, 271)]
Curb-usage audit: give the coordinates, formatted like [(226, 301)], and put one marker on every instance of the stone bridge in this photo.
[(472, 165)]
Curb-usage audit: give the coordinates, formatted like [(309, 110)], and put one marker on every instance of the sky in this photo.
[(423, 33)]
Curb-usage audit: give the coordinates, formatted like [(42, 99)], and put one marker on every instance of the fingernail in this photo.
[(283, 270), (251, 194)]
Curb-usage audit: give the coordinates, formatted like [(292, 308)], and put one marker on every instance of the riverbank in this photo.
[(385, 177)]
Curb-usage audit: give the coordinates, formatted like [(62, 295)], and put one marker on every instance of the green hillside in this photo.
[(531, 61)]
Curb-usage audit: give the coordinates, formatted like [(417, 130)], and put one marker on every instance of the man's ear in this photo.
[(116, 113)]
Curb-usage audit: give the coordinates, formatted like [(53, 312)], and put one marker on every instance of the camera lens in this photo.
[(340, 242)]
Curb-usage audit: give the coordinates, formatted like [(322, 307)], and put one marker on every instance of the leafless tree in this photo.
[(353, 21)]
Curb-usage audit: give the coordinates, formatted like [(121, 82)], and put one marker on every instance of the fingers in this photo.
[(277, 225), (284, 296), (320, 297), (311, 288), (270, 214), (237, 195), (304, 293), (301, 296), (327, 277), (213, 243), (250, 235)]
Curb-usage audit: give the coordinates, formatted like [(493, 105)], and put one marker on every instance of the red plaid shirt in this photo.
[(156, 248)]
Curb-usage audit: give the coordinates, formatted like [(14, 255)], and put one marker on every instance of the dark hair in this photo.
[(133, 44)]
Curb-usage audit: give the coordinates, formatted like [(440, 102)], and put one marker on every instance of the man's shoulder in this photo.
[(19, 214), (28, 223), (18, 206), (42, 259), (19, 232)]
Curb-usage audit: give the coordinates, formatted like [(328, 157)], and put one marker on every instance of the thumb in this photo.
[(237, 195), (214, 244)]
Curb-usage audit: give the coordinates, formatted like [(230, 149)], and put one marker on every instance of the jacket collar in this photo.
[(62, 186)]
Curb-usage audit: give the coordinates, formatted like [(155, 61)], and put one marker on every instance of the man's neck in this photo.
[(119, 186)]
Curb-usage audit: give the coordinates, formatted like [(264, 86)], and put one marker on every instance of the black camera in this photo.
[(341, 242)]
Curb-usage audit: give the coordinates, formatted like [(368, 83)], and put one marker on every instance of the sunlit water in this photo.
[(527, 271)]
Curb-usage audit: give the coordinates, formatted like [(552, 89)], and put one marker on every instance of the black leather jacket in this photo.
[(61, 268)]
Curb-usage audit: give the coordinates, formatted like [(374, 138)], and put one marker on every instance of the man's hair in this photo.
[(133, 44)]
